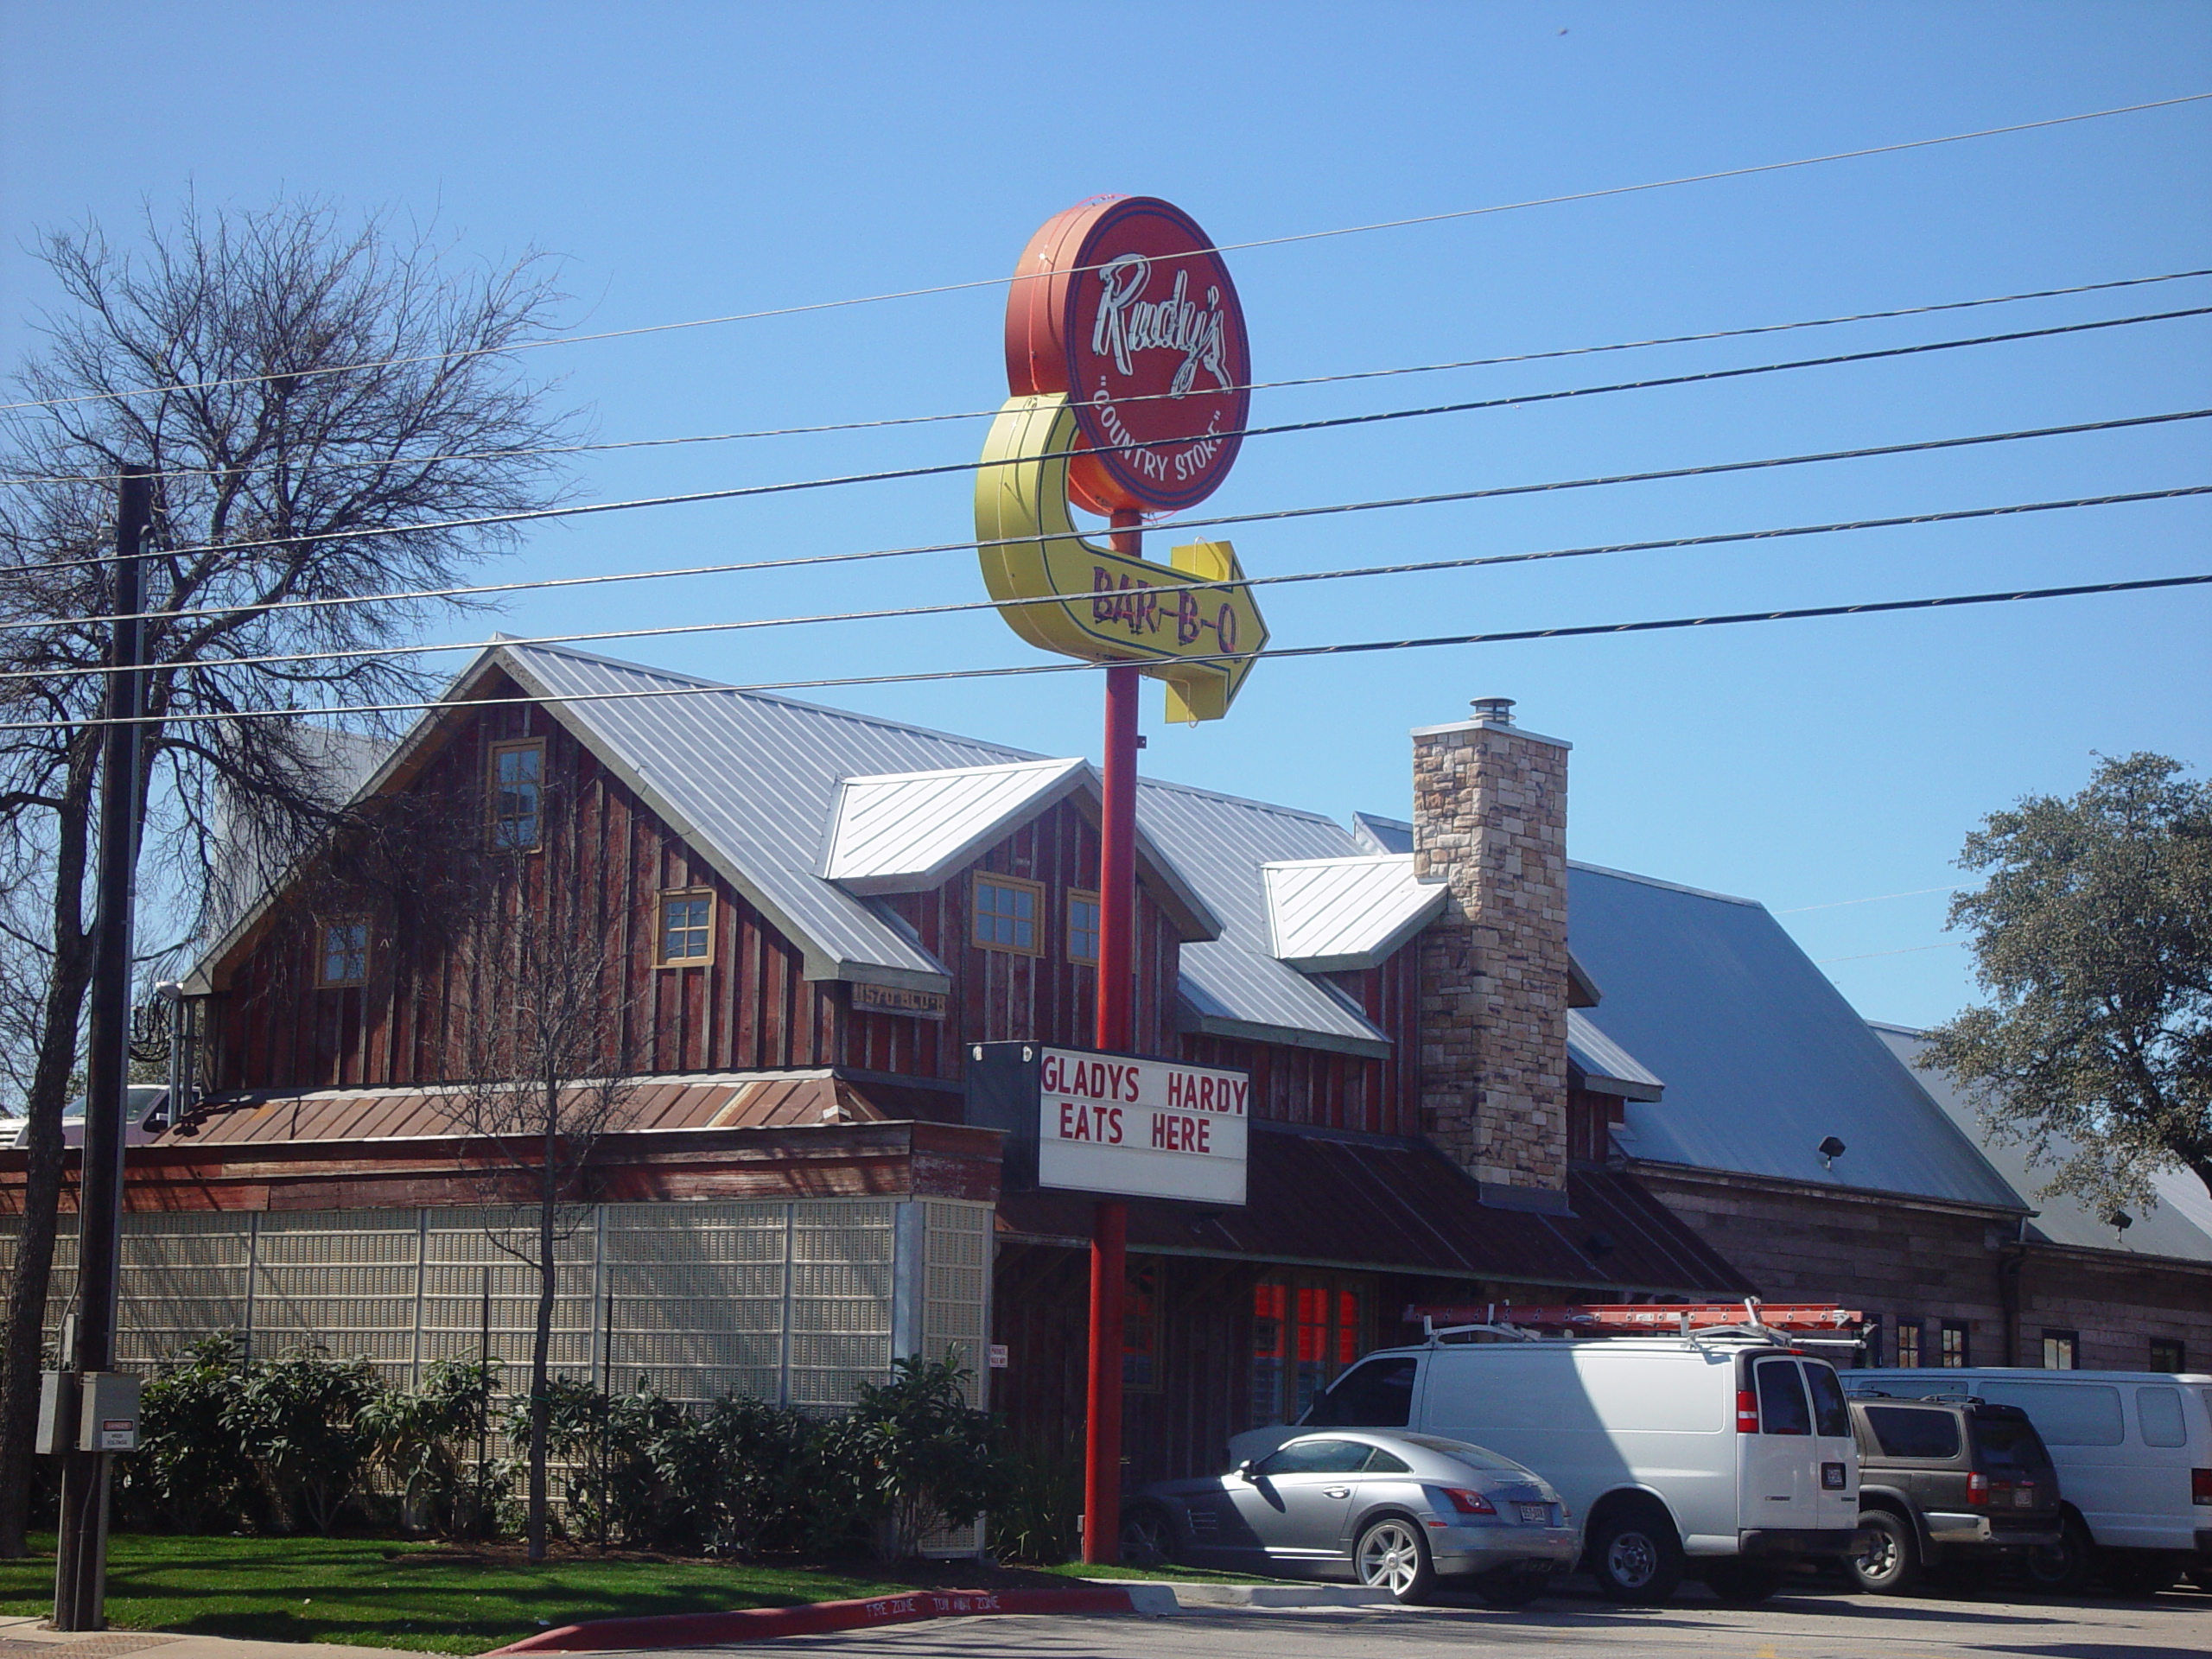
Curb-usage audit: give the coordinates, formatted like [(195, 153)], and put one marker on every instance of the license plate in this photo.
[(2023, 1499), (1535, 1514)]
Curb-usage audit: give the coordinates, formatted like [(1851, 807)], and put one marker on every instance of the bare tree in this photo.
[(325, 393), (541, 1052)]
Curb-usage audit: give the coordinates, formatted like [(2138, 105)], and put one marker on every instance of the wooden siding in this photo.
[(1339, 1091), (750, 1007)]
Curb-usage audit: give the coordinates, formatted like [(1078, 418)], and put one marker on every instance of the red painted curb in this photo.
[(761, 1624)]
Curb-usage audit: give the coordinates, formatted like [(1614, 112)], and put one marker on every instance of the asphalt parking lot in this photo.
[(2174, 1626)]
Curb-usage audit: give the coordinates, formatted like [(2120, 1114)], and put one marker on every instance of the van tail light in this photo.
[(1467, 1502), (1747, 1412), (1977, 1489), (2199, 1485)]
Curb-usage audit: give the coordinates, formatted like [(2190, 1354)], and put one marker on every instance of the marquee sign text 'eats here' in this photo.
[(1150, 1128)]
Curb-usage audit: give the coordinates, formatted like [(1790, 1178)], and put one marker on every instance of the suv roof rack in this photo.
[(1785, 1324)]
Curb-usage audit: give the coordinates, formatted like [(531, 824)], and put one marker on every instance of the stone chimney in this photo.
[(1489, 820)]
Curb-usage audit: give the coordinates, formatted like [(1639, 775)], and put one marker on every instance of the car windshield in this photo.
[(1474, 1457), (2008, 1444)]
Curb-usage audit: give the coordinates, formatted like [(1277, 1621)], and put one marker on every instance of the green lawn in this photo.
[(382, 1594)]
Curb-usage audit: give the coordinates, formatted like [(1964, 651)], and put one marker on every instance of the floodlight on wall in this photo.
[(1830, 1149)]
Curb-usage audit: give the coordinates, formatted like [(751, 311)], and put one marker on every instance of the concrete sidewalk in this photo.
[(25, 1638)]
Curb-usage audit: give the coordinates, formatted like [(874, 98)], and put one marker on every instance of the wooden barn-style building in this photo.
[(809, 916)]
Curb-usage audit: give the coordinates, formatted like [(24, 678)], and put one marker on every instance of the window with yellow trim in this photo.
[(1009, 914), (343, 957), (515, 784), (1083, 927), (687, 927)]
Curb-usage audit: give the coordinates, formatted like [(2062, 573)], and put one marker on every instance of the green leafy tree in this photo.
[(2092, 936)]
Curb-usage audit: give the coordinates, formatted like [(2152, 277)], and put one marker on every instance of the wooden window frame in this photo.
[(1082, 895), (1951, 1359), (661, 900), (1036, 891), (1918, 1345), (322, 953), (491, 819), (2070, 1341)]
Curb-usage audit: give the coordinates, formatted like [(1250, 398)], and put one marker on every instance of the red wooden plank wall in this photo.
[(751, 1008)]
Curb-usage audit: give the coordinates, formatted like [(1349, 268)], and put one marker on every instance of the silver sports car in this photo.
[(1396, 1510)]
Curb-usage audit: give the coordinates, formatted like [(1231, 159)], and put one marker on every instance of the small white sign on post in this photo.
[(1144, 1129)]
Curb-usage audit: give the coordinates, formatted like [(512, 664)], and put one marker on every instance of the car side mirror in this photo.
[(1245, 1470)]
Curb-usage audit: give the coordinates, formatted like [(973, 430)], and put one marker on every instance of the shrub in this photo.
[(1039, 1520), (913, 1454), (191, 1473), (422, 1439), (299, 1420)]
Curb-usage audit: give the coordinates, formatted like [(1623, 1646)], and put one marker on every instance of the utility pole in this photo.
[(80, 1552)]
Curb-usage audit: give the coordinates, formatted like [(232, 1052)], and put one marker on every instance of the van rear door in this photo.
[(1836, 1476), (1781, 1461)]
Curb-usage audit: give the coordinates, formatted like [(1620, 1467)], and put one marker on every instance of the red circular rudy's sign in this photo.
[(1122, 304)]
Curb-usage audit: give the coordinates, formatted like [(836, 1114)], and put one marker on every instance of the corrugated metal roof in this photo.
[(1234, 985), (736, 1100), (1329, 914), (1762, 1055), (1606, 1067), (1402, 1205), (1380, 835), (907, 831), (2179, 1226)]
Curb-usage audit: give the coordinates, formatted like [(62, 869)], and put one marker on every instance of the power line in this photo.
[(1273, 515), (1322, 424), (1879, 897), (1911, 950), (1362, 647), (1257, 386), (957, 606), (1224, 247)]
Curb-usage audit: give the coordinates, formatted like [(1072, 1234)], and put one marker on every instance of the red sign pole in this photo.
[(1117, 917)]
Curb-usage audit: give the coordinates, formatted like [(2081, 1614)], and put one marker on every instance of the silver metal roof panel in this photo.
[(1606, 1067), (1326, 915), (907, 831), (1762, 1055), (2179, 1227)]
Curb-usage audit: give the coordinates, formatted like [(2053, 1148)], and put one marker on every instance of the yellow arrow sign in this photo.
[(1100, 604)]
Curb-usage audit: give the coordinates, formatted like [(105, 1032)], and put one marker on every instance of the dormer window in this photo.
[(1009, 912), (516, 784), (343, 958)]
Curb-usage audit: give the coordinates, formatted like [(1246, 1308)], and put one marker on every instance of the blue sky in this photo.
[(690, 161)]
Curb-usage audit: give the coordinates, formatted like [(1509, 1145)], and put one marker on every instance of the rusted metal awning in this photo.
[(1328, 1199)]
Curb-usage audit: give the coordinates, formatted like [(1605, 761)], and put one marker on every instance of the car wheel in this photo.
[(1636, 1557), (1891, 1563), (1740, 1583), (1504, 1587), (1392, 1555), (2063, 1568), (2130, 1573), (1148, 1537)]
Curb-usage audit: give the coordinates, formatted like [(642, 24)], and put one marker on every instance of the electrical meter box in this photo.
[(107, 1417), (57, 1413)]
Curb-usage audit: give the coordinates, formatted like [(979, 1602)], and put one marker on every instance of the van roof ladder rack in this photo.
[(1784, 1323)]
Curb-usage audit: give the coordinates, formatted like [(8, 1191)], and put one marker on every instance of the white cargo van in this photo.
[(1731, 1456), (2134, 1451)]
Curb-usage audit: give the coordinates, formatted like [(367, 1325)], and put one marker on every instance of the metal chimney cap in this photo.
[(1498, 711)]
